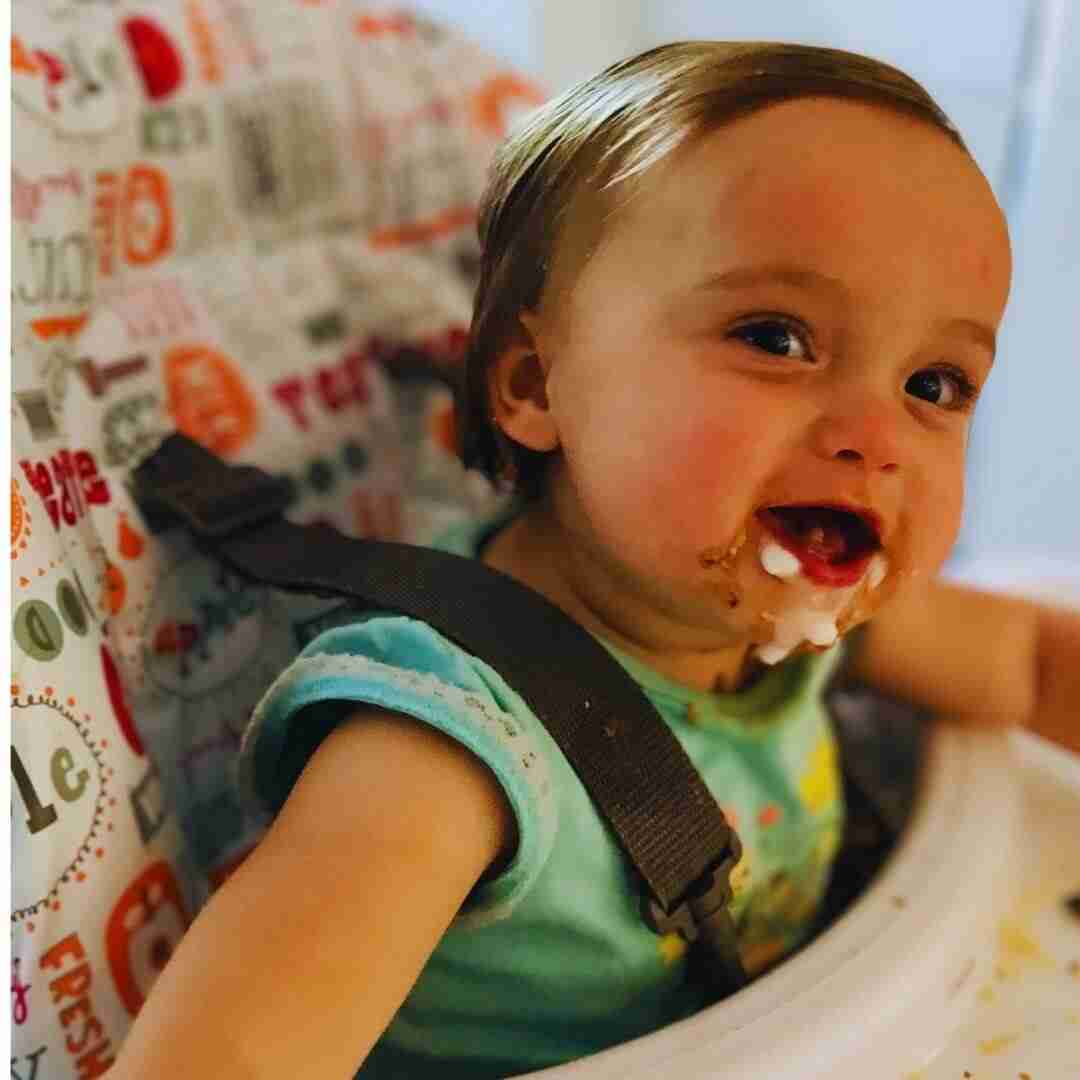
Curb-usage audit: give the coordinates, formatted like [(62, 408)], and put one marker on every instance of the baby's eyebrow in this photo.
[(978, 332), (800, 277)]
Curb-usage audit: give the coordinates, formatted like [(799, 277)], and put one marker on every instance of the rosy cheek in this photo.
[(702, 477), (727, 440), (705, 456), (937, 520)]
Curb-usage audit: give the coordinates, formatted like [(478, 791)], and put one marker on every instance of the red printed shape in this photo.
[(356, 367), (55, 73), (114, 589), (379, 26), (129, 542), (144, 928), (289, 394), (17, 515), (208, 398), (176, 639), (65, 325), (491, 104), (37, 473), (119, 703), (22, 62), (86, 1040), (148, 215), (333, 387), (158, 58), (71, 504), (95, 489), (202, 36)]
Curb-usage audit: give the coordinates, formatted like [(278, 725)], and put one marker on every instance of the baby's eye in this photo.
[(774, 336), (947, 387)]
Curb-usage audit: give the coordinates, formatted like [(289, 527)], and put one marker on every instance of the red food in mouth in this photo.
[(834, 545)]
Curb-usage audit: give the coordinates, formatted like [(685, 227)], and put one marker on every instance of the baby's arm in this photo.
[(983, 658), (301, 959)]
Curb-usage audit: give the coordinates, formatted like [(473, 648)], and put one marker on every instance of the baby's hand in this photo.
[(1056, 714), (982, 658)]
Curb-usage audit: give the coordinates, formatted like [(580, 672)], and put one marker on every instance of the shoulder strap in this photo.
[(637, 773)]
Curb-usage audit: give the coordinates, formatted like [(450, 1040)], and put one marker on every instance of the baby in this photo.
[(736, 305)]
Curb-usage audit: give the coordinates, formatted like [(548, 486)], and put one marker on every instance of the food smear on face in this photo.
[(793, 627), (814, 613), (827, 561), (875, 574)]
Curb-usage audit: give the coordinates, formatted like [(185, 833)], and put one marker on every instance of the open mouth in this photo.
[(834, 545)]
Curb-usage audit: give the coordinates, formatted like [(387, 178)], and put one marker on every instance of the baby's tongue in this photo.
[(819, 534), (826, 542)]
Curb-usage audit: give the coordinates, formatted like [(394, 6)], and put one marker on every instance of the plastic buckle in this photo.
[(247, 497), (183, 480), (705, 902)]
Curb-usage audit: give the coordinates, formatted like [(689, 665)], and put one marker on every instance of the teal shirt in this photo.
[(550, 960)]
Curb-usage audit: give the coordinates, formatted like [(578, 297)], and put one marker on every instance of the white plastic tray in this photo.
[(961, 957), (1027, 1014)]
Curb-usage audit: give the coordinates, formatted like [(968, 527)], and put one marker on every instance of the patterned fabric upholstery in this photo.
[(253, 220)]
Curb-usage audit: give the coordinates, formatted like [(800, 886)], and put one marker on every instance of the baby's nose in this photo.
[(864, 433)]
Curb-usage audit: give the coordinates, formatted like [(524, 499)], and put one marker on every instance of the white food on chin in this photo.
[(778, 561), (796, 625), (771, 654), (822, 631), (876, 571), (793, 627)]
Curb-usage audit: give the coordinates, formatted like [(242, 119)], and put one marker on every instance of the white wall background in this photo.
[(1008, 73), (1025, 453)]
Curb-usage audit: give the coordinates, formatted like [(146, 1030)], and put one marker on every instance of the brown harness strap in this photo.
[(635, 770)]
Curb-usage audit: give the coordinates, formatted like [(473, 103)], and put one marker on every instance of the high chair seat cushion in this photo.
[(254, 222)]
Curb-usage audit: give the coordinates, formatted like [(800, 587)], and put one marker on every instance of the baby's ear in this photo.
[(517, 390)]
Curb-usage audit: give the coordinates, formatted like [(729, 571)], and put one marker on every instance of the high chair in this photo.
[(262, 231)]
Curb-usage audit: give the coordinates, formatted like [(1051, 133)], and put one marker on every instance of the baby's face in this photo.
[(797, 310)]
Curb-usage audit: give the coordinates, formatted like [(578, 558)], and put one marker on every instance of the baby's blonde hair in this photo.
[(613, 128)]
